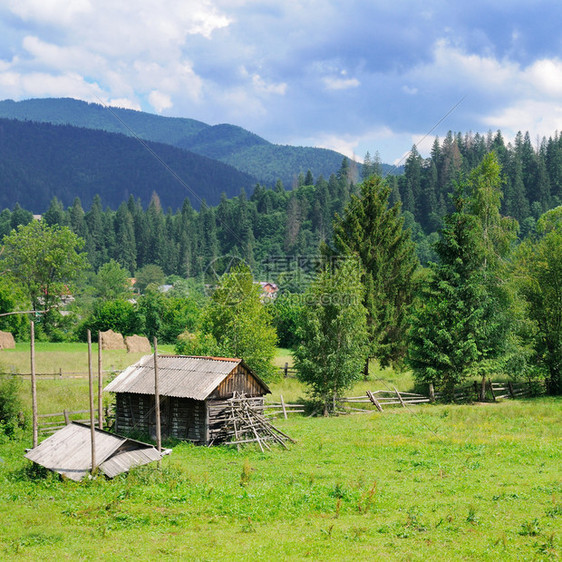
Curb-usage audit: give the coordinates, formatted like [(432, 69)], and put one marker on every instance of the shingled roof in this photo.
[(179, 376), (68, 452)]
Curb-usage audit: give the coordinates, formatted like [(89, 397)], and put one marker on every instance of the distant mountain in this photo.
[(39, 161), (229, 144), (68, 111)]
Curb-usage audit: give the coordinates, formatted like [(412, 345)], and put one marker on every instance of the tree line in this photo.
[(488, 302)]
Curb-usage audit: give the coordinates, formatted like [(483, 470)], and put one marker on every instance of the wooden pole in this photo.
[(92, 419), (100, 385), (399, 397), (492, 390), (283, 406), (374, 400), (431, 392), (157, 398), (33, 387)]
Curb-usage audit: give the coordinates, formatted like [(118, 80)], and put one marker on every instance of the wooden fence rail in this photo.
[(469, 393), (64, 418), (61, 375), (287, 372), (275, 408)]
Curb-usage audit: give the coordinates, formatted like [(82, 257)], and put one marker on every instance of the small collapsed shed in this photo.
[(193, 396), (68, 452)]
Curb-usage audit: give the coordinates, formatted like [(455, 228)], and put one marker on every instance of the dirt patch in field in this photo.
[(137, 344)]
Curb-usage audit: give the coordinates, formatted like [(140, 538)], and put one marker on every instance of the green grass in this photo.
[(66, 357), (431, 483)]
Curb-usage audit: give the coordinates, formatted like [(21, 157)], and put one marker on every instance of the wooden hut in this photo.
[(193, 393), (68, 452)]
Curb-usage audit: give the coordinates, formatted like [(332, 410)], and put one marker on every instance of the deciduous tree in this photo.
[(539, 277), (44, 260), (240, 322), (333, 333)]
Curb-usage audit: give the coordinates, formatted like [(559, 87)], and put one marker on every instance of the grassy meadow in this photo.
[(431, 482)]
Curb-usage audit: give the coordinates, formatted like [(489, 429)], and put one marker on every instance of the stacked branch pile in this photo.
[(243, 421)]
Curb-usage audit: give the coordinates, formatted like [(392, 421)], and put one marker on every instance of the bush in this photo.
[(197, 344), (119, 315), (11, 417)]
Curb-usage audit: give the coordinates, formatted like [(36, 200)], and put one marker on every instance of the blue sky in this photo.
[(351, 75)]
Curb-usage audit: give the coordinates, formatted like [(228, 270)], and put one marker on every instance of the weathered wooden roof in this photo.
[(68, 452), (179, 376)]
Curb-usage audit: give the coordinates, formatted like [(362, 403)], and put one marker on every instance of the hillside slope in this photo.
[(230, 144), (39, 161)]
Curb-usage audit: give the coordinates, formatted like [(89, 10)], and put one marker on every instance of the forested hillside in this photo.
[(68, 111), (271, 223), (532, 176), (39, 161), (230, 144)]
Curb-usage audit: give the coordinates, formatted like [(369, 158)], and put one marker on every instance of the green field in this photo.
[(446, 482)]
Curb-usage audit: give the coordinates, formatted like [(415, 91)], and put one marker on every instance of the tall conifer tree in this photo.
[(373, 231)]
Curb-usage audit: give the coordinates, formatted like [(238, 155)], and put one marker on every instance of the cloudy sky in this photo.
[(352, 75)]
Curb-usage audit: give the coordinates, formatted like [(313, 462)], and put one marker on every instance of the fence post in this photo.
[(33, 386), (66, 418), (492, 390), (431, 392), (286, 369), (510, 386), (283, 406), (477, 392), (399, 397), (92, 419), (374, 400)]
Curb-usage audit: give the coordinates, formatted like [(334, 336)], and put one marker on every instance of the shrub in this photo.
[(10, 405)]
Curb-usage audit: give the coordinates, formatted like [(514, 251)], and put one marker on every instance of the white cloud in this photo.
[(546, 76), (502, 94), (40, 84), (160, 101), (124, 103), (541, 118), (264, 87), (53, 56), (125, 50), (50, 11), (333, 83)]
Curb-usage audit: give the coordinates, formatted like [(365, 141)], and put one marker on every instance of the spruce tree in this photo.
[(373, 231), (125, 247), (462, 321), (444, 327)]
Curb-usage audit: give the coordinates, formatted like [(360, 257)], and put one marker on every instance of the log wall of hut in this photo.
[(187, 419), (180, 418), (132, 413)]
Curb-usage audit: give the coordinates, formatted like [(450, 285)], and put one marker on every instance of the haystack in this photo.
[(7, 341), (112, 340), (137, 344)]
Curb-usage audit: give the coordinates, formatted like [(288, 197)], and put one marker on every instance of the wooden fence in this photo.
[(62, 375), (287, 372), (493, 391), (380, 398), (273, 409), (60, 419)]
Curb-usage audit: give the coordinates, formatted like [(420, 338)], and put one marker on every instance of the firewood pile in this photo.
[(244, 422)]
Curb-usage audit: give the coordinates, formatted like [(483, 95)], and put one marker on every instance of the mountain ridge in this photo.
[(230, 144), (39, 161)]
